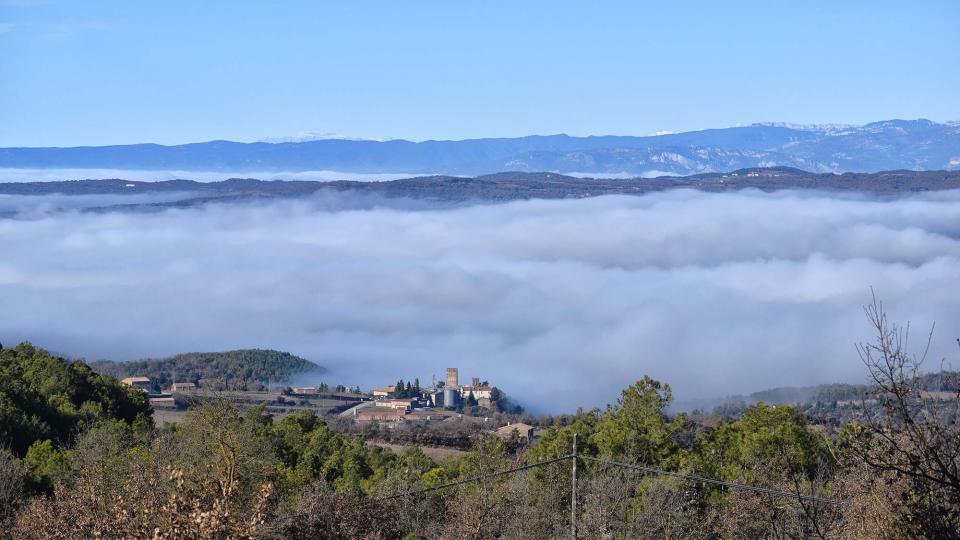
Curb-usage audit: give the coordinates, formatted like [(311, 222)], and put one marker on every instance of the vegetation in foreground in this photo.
[(84, 460)]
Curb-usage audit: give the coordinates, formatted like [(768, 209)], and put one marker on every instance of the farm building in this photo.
[(522, 431), (143, 383)]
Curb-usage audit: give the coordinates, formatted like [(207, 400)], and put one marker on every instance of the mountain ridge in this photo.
[(886, 145)]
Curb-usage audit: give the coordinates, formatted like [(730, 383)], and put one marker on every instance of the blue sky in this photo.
[(92, 73)]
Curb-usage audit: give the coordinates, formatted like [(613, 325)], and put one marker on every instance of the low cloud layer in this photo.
[(560, 303)]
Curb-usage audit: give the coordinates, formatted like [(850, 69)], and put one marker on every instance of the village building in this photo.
[(429, 416), (183, 387), (380, 414), (448, 394), (479, 392), (305, 390), (163, 402), (435, 398), (522, 431), (404, 404), (143, 383), (385, 391)]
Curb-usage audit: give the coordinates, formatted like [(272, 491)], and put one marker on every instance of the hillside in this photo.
[(495, 187), (827, 403), (892, 144), (46, 398), (231, 370)]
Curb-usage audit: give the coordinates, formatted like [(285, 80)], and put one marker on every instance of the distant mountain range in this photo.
[(888, 145)]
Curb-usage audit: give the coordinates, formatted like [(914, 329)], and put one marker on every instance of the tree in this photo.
[(767, 446), (637, 428), (224, 454), (45, 464), (319, 512), (12, 483), (764, 434), (906, 436), (480, 509), (231, 370), (43, 397)]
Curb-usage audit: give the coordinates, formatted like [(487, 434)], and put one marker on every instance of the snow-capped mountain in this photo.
[(887, 145)]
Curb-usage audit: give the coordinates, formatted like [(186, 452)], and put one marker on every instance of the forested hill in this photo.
[(45, 401), (938, 383), (495, 187), (230, 370)]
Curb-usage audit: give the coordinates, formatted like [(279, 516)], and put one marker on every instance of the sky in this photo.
[(561, 303), (116, 72)]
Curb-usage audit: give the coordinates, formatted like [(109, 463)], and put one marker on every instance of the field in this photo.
[(275, 404)]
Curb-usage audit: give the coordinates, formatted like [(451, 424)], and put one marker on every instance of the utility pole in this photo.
[(573, 494)]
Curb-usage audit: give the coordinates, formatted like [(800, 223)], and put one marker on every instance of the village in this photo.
[(411, 402), (405, 405)]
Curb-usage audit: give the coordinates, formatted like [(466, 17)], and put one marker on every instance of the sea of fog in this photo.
[(561, 303)]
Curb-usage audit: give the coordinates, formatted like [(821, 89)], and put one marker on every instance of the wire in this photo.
[(475, 478), (732, 485)]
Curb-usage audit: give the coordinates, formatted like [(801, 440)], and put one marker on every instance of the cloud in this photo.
[(39, 206), (561, 303)]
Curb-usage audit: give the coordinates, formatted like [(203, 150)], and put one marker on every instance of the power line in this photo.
[(476, 478), (732, 485)]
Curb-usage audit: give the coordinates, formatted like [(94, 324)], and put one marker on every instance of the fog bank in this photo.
[(560, 303)]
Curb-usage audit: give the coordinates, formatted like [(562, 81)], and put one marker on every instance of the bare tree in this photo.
[(912, 435), (11, 483)]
